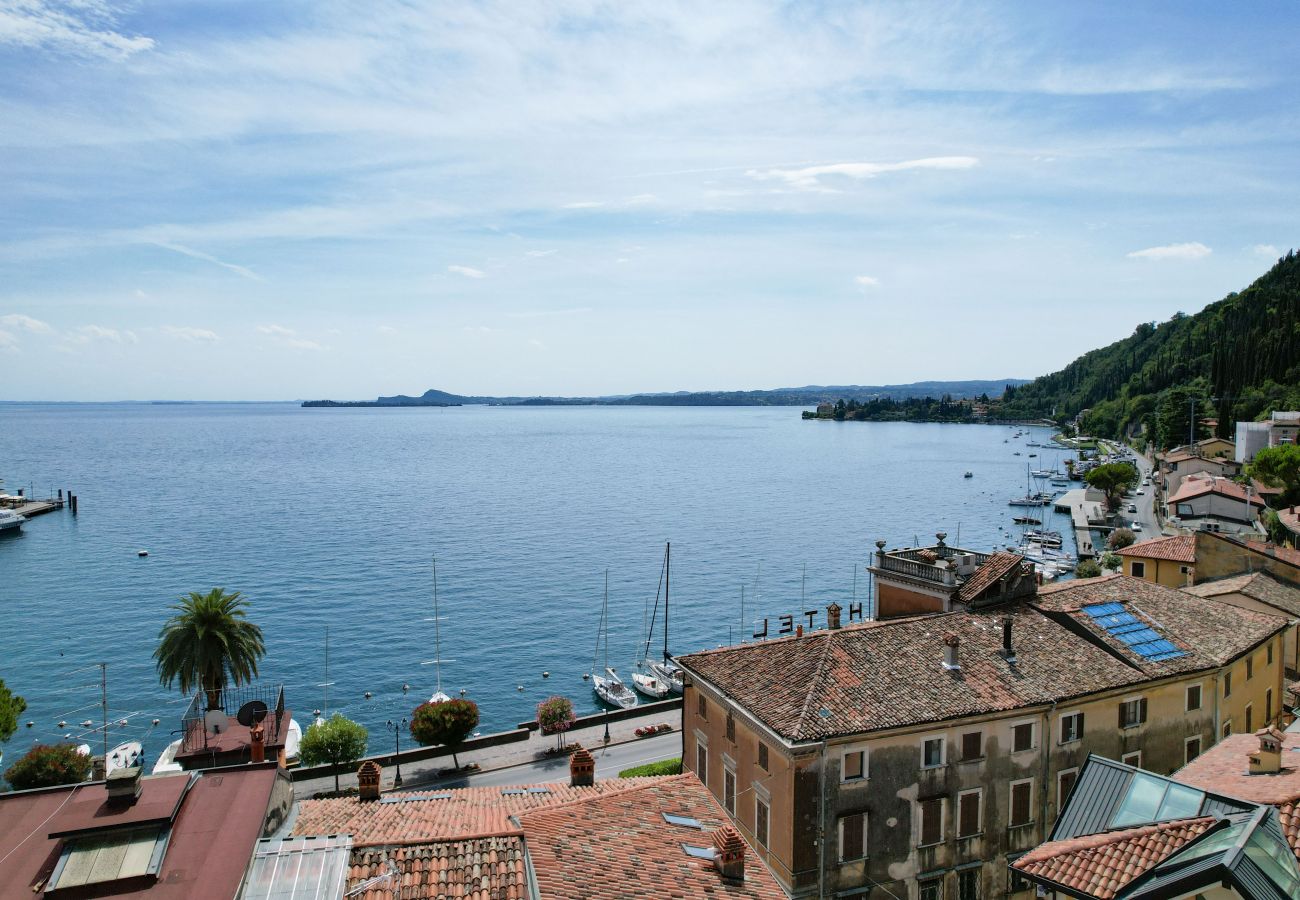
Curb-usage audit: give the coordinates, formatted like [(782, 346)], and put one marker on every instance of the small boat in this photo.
[(126, 755), (969, 475), (11, 521), (1032, 500), (167, 760), (1027, 520), (609, 687), (650, 684)]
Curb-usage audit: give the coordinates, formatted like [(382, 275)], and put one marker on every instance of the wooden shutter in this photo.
[(931, 820), (1142, 710), (968, 814), (1020, 796), (971, 745), (853, 836)]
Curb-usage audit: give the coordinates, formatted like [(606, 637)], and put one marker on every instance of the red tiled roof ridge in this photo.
[(1075, 583), (1084, 863), (1175, 547), (814, 685), (819, 634), (996, 566)]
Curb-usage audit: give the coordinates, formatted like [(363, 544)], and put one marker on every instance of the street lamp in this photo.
[(396, 728)]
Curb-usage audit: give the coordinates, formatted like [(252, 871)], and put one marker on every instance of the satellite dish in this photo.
[(250, 712)]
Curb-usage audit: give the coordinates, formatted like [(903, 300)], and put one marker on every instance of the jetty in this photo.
[(29, 506), (1087, 510)]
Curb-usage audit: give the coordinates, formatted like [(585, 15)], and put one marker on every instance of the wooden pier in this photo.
[(26, 506)]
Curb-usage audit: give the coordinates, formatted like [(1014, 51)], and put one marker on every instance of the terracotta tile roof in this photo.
[(1290, 816), (885, 674), (1225, 769), (1286, 554), (1101, 865), (426, 816), (1197, 486), (995, 567), (490, 868), (1290, 518), (1179, 548), (1209, 634), (1258, 586), (620, 846)]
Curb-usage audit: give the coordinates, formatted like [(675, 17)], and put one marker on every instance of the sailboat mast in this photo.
[(604, 615), (668, 557), (326, 685), (437, 633), (103, 700)]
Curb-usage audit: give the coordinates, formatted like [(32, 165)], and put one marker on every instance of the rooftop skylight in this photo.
[(683, 821)]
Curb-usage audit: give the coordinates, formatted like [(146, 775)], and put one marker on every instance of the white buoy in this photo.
[(142, 553)]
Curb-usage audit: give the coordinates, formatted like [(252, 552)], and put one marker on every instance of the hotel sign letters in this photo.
[(786, 621)]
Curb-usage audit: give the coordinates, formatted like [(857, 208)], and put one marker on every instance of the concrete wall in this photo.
[(1173, 478), (894, 600), (1215, 506)]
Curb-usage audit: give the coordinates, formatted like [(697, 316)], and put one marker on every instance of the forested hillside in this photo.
[(1238, 359)]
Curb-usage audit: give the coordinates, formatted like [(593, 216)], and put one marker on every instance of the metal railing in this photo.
[(194, 734)]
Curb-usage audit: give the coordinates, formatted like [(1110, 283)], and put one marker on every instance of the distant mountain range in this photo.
[(792, 396)]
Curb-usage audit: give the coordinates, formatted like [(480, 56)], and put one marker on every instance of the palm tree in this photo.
[(207, 643)]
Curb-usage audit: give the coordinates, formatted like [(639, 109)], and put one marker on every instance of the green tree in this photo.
[(209, 643), (1112, 562), (48, 765), (11, 707), (555, 716), (446, 723), (1087, 568), (1114, 479), (1279, 467), (336, 741), (1121, 538)]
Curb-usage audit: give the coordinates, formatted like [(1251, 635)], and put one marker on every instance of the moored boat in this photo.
[(11, 521)]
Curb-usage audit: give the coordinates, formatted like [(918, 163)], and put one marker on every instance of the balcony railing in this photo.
[(914, 563), (194, 734)]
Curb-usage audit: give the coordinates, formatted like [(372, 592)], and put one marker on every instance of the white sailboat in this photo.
[(668, 671), (645, 679), (438, 695), (608, 686)]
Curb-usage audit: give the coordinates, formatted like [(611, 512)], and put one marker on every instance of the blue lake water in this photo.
[(331, 518)]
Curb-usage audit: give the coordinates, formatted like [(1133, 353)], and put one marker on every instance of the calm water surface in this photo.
[(331, 517)]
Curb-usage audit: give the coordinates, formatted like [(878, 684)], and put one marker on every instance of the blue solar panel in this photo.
[(1140, 637)]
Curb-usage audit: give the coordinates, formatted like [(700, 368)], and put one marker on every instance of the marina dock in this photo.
[(26, 506), (1088, 517)]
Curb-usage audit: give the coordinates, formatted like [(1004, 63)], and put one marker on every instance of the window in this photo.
[(932, 889), (854, 766), (932, 753), (731, 727), (1227, 728), (1191, 749), (1071, 727), (1193, 697), (702, 761), (853, 836), (762, 756), (1133, 759), (729, 790), (969, 821), (1250, 718), (108, 857), (761, 813), (931, 812), (968, 884), (1138, 569), (1268, 657), (702, 706), (1250, 670), (1022, 802), (1183, 570), (1133, 713), (1227, 684), (1022, 737), (1268, 706), (972, 745), (1064, 785)]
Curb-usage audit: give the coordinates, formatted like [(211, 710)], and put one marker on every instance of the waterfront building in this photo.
[(940, 578), (915, 757), (1170, 561), (1211, 503), (1278, 429), (168, 836), (1126, 834), (616, 838)]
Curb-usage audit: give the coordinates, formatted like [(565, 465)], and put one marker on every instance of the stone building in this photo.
[(942, 578), (916, 757)]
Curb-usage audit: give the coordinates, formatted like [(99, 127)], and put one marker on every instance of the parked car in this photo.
[(1137, 526), (1140, 492)]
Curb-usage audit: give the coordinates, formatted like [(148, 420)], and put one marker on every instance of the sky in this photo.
[(251, 200)]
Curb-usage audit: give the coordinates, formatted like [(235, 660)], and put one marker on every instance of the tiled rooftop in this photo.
[(1101, 865), (1179, 548), (424, 816), (1225, 769), (995, 567), (1209, 635), (620, 846), (1285, 554), (490, 868), (1258, 586), (885, 674), (1197, 486)]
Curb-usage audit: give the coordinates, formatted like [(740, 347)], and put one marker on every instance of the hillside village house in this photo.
[(1211, 503), (1170, 561), (1280, 428), (915, 757), (1174, 467)]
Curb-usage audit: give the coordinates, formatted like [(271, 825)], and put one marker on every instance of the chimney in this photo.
[(833, 615), (1008, 652), (582, 768), (1268, 761), (257, 742), (729, 855), (368, 779), (950, 644), (798, 631), (124, 785)]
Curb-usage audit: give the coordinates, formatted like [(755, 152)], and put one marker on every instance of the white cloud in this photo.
[(386, 329), (8, 342), (538, 254), (198, 254), (809, 177), (1267, 250), (18, 320), (289, 338), (640, 198), (186, 333), (584, 204), (1192, 250), (303, 344), (866, 281), (81, 27), (87, 333), (467, 271), (276, 330), (546, 313)]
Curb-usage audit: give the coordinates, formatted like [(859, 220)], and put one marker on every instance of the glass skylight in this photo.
[(683, 821), (698, 852)]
